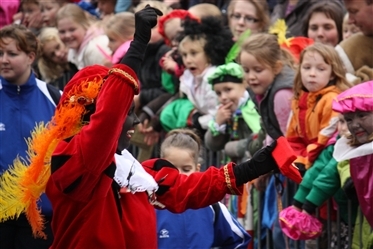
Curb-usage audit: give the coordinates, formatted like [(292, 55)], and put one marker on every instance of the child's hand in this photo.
[(169, 64), (223, 114)]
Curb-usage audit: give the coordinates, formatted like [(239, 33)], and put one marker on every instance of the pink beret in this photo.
[(357, 98)]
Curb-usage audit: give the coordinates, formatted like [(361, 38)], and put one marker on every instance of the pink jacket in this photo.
[(7, 9)]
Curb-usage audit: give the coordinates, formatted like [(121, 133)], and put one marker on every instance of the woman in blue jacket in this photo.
[(208, 227), (24, 101)]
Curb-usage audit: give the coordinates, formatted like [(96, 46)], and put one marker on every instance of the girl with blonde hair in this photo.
[(87, 43), (120, 29), (52, 64)]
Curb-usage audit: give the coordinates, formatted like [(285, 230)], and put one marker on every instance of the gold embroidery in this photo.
[(228, 180), (127, 76)]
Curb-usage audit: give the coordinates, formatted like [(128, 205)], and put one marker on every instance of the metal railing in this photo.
[(332, 227)]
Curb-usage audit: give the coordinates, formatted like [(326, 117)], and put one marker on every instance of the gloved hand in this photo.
[(349, 189), (302, 168), (145, 20), (261, 163)]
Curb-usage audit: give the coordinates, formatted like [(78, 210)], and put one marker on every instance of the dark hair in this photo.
[(218, 38), (24, 38), (332, 9)]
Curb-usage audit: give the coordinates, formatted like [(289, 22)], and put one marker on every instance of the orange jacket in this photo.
[(312, 123)]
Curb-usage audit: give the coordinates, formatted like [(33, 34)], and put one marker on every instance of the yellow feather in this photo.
[(25, 181), (279, 28)]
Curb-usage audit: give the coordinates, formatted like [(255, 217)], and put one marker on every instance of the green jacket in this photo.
[(323, 181)]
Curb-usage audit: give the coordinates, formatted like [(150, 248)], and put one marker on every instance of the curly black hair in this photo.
[(218, 37)]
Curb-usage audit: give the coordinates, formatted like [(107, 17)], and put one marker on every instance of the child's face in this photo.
[(360, 125), (172, 28), (229, 92), (32, 15), (49, 10), (257, 75), (315, 73), (182, 159), (244, 17), (106, 7), (71, 33), (322, 29), (114, 42), (349, 29), (55, 51), (15, 64), (342, 126), (194, 57)]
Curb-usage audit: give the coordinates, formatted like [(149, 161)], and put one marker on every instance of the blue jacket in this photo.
[(21, 108), (203, 228)]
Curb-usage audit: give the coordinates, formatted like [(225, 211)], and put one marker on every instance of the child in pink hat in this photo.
[(356, 105)]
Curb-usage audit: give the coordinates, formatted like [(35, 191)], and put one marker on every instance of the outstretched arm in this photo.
[(179, 192)]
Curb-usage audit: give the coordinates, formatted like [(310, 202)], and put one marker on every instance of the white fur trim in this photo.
[(346, 61)]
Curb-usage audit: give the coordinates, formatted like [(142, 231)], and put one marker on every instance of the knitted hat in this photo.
[(178, 13), (24, 182), (230, 72), (357, 98)]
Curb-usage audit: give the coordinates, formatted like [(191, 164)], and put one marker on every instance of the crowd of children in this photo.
[(227, 77)]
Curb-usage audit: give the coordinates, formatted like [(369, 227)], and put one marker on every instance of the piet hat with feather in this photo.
[(24, 182)]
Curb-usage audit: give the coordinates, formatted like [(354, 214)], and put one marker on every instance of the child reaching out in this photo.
[(321, 182), (320, 78), (208, 227), (356, 105)]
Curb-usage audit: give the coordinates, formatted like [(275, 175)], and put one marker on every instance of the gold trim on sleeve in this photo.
[(228, 180)]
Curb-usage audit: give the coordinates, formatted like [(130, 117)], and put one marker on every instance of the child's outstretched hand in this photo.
[(145, 20), (223, 114)]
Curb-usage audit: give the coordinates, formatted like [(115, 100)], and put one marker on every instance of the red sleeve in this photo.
[(99, 139), (197, 190), (91, 151)]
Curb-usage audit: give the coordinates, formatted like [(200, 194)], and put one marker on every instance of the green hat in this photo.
[(230, 72)]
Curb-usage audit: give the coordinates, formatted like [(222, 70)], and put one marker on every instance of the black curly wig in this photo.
[(218, 37)]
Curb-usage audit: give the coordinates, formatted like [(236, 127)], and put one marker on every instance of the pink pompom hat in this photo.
[(357, 98)]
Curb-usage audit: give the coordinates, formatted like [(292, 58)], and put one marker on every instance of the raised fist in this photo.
[(145, 20)]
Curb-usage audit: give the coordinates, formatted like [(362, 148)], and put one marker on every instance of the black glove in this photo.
[(349, 189), (301, 168), (145, 20), (261, 163)]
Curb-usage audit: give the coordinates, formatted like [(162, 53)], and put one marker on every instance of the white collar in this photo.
[(344, 151)]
